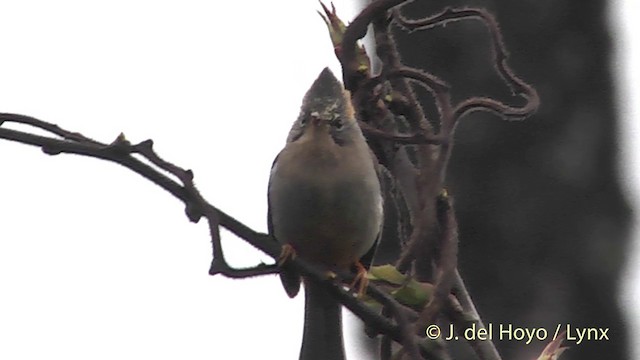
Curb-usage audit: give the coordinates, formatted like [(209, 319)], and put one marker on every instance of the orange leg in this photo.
[(287, 253), (361, 281)]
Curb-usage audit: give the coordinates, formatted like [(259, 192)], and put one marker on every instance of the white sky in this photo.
[(624, 14), (95, 262)]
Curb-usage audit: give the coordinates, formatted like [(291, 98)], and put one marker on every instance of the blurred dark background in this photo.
[(543, 223)]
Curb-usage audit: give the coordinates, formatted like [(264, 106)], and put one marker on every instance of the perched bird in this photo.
[(325, 206)]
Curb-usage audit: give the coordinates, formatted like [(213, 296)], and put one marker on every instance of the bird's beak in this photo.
[(318, 127), (316, 121)]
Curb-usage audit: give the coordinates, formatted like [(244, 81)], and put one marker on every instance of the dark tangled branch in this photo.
[(413, 139), (429, 252), (500, 55), (356, 31)]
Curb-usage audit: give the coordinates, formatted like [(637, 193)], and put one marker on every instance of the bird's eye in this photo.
[(304, 117), (337, 123)]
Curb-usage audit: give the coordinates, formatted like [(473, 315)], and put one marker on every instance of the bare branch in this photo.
[(437, 87), (414, 139), (356, 31), (468, 315), (448, 261), (121, 151), (409, 340), (388, 53), (222, 268), (500, 54), (52, 128)]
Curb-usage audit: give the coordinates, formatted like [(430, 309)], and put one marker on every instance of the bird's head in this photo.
[(326, 112)]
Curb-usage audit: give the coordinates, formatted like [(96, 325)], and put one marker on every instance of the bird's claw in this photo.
[(288, 253), (360, 282)]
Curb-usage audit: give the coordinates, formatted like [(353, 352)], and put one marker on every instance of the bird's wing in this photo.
[(290, 278), (367, 259)]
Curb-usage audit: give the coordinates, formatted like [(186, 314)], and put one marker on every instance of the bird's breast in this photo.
[(330, 215)]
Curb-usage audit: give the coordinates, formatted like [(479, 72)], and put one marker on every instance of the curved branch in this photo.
[(437, 87), (500, 55), (52, 128), (498, 108), (413, 139)]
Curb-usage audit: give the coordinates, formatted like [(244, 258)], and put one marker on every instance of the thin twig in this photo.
[(386, 349), (486, 350), (397, 311), (387, 51), (414, 139), (448, 262), (52, 128), (222, 268)]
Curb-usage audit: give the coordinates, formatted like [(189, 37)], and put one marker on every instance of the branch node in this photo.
[(120, 145), (146, 145), (216, 267), (51, 150), (188, 174), (193, 212)]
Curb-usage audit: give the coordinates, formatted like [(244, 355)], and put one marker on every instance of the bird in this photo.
[(325, 206)]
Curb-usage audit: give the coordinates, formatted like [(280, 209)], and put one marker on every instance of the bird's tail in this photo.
[(322, 338)]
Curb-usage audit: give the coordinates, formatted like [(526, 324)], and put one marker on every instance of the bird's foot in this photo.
[(361, 281), (288, 253)]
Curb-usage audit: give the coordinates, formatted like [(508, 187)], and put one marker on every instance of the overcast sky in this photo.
[(95, 262), (626, 29)]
